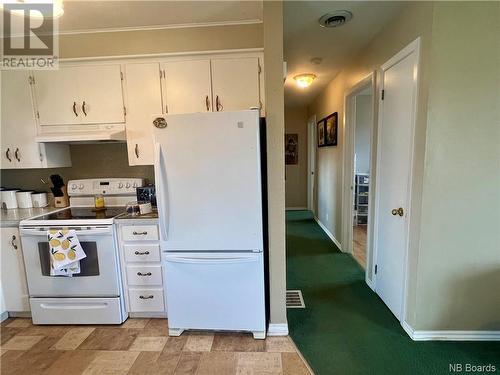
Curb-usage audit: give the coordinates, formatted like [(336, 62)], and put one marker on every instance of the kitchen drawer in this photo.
[(140, 232), (146, 300), (142, 253), (144, 275)]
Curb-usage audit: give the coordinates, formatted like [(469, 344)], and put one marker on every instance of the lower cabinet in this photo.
[(13, 275), (142, 271)]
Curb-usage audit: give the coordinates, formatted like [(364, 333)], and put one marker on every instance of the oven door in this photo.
[(99, 270)]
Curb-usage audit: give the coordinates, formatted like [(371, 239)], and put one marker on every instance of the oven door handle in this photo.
[(84, 232)]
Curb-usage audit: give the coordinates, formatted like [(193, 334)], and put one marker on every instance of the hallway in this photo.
[(346, 328)]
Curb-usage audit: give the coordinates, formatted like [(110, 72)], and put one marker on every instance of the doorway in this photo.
[(359, 104), (311, 165)]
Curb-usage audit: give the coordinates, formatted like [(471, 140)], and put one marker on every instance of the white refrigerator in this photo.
[(209, 196)]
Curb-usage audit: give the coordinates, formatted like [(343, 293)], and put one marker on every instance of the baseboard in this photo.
[(450, 335), (159, 315), (4, 316), (328, 233), (295, 208), (277, 329)]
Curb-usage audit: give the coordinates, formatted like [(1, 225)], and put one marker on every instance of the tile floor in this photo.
[(140, 346)]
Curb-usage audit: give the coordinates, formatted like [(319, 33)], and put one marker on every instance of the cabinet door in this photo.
[(143, 93), (188, 86), (100, 94), (19, 149), (13, 274), (56, 93), (235, 83)]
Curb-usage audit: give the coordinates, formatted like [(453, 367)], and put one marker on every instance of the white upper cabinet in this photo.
[(188, 86), (235, 83), (18, 128), (143, 101), (89, 94)]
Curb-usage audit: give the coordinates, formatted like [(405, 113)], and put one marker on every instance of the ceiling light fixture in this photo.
[(57, 9), (304, 80)]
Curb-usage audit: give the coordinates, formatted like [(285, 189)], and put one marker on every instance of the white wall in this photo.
[(296, 174), (363, 110)]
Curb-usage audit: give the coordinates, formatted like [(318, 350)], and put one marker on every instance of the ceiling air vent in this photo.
[(335, 19)]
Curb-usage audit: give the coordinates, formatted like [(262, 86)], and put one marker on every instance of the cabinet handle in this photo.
[(13, 242), (137, 150), (207, 103), (83, 109), (139, 233), (218, 104), (141, 253), (16, 154), (143, 274), (7, 155), (74, 109), (147, 297)]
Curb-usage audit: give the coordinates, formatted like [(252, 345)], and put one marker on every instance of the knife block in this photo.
[(62, 201)]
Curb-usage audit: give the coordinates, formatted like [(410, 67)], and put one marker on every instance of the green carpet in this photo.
[(346, 328)]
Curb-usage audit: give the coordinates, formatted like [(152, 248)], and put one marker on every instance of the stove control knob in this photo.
[(120, 185), (127, 185), (80, 186), (73, 186), (134, 185)]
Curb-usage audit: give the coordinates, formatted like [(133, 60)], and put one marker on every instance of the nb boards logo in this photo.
[(29, 35)]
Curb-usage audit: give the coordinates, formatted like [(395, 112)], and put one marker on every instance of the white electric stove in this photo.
[(94, 296)]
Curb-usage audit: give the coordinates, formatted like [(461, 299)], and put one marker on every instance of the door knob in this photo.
[(398, 211)]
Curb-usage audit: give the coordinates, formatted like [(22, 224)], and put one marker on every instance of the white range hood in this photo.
[(82, 134)]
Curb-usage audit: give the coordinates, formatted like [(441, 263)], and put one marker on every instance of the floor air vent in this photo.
[(294, 300)]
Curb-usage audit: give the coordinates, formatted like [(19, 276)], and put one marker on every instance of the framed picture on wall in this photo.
[(291, 148), (331, 129), (321, 133)]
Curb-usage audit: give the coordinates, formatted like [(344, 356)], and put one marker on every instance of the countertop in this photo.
[(137, 219), (11, 218)]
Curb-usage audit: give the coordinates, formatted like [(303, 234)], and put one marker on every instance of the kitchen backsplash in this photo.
[(88, 160)]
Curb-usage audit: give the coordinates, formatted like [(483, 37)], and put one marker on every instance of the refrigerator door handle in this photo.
[(161, 196), (228, 260)]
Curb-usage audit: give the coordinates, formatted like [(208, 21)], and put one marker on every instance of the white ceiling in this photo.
[(97, 15), (305, 39)]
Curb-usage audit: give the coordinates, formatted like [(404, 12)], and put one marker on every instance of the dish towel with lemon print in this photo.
[(65, 252)]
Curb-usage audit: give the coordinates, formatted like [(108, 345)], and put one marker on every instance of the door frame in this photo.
[(348, 173), (311, 164), (412, 48)]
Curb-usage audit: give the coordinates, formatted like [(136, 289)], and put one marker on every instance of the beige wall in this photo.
[(89, 161), (161, 41), (273, 61), (459, 259), (296, 174)]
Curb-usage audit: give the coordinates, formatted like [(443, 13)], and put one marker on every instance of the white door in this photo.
[(188, 86), (143, 93), (19, 149), (395, 150), (57, 96), (13, 275), (100, 94), (208, 182), (311, 167), (235, 84)]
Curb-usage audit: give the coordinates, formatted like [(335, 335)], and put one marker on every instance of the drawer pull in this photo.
[(147, 297), (143, 274), (139, 233), (141, 253)]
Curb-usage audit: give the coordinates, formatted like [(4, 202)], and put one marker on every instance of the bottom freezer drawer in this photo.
[(76, 310), (215, 291)]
